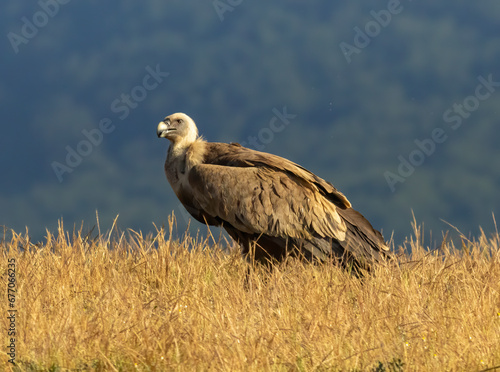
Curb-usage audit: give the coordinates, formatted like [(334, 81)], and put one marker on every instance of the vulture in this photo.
[(269, 205)]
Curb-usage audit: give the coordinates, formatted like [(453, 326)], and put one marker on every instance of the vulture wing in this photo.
[(263, 195), (263, 201)]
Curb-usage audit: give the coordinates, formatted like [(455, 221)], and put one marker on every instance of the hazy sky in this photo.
[(395, 103)]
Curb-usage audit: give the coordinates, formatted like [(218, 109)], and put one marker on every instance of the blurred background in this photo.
[(396, 103)]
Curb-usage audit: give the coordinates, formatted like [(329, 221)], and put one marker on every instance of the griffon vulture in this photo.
[(269, 205)]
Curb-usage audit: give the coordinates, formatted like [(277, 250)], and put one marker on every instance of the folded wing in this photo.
[(259, 200)]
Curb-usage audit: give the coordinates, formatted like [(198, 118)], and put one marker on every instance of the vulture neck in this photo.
[(187, 139), (179, 146), (186, 153), (182, 156)]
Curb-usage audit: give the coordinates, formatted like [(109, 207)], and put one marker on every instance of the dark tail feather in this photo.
[(362, 247)]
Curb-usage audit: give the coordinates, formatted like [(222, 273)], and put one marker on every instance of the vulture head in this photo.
[(178, 128)]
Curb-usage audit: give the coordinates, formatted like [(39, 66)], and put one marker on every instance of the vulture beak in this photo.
[(163, 128)]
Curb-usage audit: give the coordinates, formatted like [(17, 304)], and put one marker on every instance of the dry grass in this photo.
[(135, 303)]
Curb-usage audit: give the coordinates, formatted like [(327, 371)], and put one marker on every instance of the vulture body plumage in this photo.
[(269, 205)]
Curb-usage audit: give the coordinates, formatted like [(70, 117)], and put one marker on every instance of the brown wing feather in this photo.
[(238, 156), (265, 197), (194, 208), (245, 198)]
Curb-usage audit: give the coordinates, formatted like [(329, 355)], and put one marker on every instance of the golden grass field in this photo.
[(135, 303)]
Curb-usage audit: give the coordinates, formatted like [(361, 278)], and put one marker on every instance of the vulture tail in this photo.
[(362, 247)]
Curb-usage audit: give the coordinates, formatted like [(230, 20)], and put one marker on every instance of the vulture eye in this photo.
[(180, 121)]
